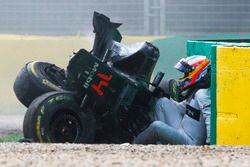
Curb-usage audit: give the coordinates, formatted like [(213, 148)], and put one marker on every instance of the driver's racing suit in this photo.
[(187, 122)]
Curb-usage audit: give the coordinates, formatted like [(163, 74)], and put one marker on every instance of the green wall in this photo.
[(174, 48)]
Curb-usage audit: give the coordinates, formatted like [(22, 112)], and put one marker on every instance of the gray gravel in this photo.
[(42, 155)]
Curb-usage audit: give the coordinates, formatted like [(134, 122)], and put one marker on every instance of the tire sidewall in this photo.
[(32, 81), (38, 76), (48, 107)]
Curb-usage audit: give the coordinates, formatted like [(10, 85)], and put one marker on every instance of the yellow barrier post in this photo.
[(233, 90)]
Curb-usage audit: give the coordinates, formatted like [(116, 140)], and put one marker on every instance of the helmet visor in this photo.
[(183, 66)]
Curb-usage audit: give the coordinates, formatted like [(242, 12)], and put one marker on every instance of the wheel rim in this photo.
[(65, 128)]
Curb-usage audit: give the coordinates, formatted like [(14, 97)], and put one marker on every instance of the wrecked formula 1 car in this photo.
[(103, 96)]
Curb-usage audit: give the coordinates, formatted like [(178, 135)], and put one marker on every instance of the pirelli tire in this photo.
[(37, 78), (56, 117)]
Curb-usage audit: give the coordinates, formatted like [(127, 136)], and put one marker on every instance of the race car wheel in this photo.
[(37, 78), (56, 117)]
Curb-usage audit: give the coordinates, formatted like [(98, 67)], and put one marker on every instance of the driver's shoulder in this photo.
[(202, 92), (203, 95)]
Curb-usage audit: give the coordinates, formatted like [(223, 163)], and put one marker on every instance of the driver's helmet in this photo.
[(196, 71)]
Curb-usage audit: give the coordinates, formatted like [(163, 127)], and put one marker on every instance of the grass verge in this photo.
[(11, 138)]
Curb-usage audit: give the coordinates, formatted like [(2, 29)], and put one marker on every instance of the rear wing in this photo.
[(105, 32)]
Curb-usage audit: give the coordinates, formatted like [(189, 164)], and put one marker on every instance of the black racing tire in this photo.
[(37, 78), (56, 117)]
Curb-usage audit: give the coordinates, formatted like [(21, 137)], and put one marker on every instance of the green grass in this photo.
[(11, 138)]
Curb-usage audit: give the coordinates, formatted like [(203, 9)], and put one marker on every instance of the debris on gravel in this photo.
[(55, 155)]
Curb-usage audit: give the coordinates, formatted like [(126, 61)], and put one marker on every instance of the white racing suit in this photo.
[(187, 122)]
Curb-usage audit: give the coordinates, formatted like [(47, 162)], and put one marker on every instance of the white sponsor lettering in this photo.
[(90, 75)]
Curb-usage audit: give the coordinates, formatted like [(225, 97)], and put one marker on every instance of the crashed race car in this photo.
[(104, 96)]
